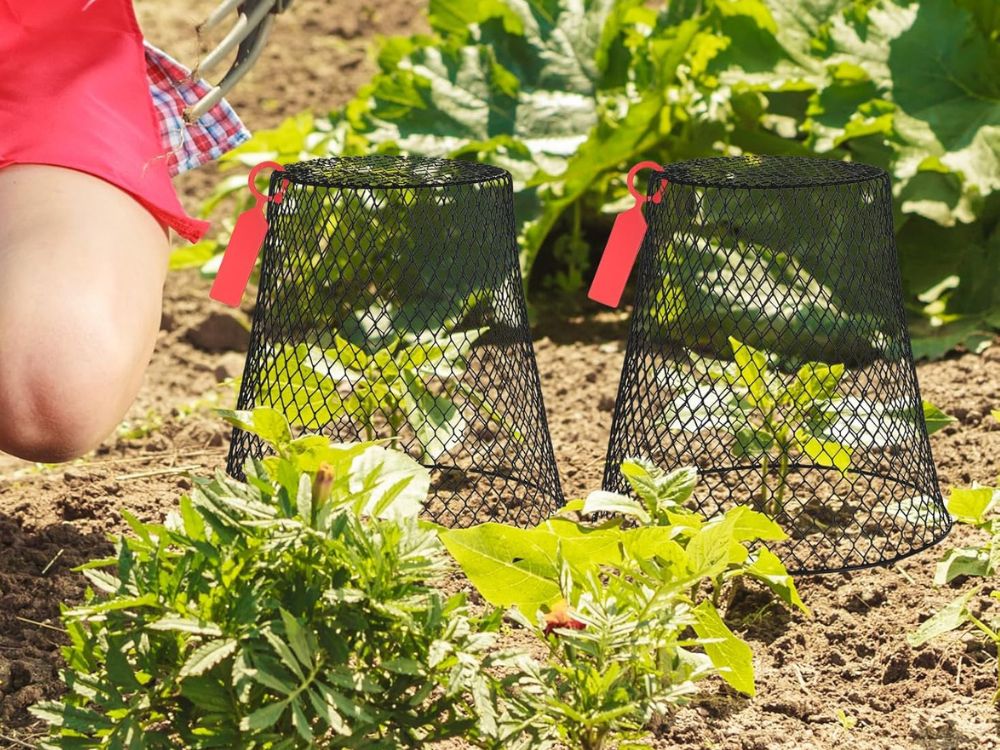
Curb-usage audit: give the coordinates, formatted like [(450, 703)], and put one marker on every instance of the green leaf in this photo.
[(950, 617), (301, 722), (769, 570), (729, 653), (828, 453), (194, 256), (963, 561), (611, 502), (709, 549), (207, 656), (388, 483), (971, 504), (266, 423), (508, 566), (263, 718), (750, 525), (753, 371), (815, 381), (298, 639), (662, 491), (935, 418)]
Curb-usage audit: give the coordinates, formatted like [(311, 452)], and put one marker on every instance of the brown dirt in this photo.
[(851, 657)]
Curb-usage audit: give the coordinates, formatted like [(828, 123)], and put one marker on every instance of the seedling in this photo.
[(770, 420), (405, 380), (783, 421), (973, 507)]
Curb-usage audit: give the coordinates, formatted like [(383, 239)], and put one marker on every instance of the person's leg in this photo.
[(82, 266)]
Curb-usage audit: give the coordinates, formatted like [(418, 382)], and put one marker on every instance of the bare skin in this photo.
[(82, 267)]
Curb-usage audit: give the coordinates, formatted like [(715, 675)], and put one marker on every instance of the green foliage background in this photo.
[(567, 94)]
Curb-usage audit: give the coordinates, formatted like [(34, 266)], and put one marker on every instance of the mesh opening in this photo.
[(391, 306)]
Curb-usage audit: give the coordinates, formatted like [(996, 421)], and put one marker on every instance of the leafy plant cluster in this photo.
[(778, 420), (567, 95), (302, 609), (970, 612), (295, 610), (401, 380), (628, 613)]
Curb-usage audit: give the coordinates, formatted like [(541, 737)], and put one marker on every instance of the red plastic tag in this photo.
[(245, 243), (623, 244)]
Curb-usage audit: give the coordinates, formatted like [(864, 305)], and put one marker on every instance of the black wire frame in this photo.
[(826, 230), (379, 249)]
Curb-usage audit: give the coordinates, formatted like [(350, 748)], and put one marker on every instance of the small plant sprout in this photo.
[(403, 381), (847, 722), (780, 421), (975, 507)]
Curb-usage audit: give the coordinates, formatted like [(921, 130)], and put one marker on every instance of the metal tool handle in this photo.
[(254, 19)]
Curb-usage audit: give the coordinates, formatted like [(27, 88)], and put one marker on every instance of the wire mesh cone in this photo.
[(391, 306), (768, 347)]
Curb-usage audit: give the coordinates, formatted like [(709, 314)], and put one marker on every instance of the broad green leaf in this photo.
[(729, 653), (754, 373), (828, 453), (661, 490), (814, 381), (750, 525), (770, 571), (196, 255), (971, 504), (710, 549), (390, 483), (950, 617), (963, 561), (507, 565), (266, 423), (934, 418)]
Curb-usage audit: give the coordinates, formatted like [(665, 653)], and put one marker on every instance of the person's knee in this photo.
[(60, 395)]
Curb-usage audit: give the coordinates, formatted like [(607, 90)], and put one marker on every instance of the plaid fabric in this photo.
[(188, 145)]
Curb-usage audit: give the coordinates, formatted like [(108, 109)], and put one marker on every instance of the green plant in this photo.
[(614, 603), (973, 507), (292, 611), (405, 380), (777, 420), (567, 96)]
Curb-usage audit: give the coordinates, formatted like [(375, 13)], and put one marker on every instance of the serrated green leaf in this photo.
[(207, 656), (263, 718)]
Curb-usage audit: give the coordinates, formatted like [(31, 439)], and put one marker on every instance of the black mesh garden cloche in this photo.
[(391, 305), (768, 347)]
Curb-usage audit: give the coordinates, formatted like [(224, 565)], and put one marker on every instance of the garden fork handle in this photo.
[(248, 35)]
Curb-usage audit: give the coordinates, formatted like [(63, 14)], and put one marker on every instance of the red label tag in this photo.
[(623, 245), (245, 243)]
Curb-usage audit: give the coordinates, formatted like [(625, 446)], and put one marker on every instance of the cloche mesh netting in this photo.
[(769, 347), (391, 305)]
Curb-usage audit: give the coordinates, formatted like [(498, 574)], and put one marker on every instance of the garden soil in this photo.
[(844, 679)]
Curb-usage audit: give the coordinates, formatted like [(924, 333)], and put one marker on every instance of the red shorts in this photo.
[(74, 93)]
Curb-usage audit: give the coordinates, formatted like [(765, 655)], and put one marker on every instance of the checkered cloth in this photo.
[(189, 144)]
